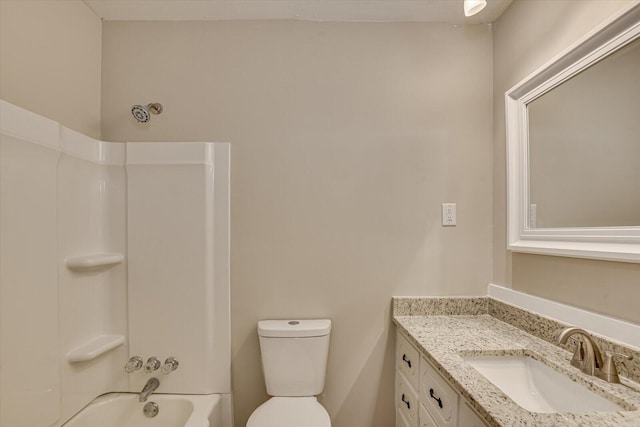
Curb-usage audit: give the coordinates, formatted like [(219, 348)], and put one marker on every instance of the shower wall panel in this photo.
[(178, 249), (29, 374), (62, 197), (92, 301)]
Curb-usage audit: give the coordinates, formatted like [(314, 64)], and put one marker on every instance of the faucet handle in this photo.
[(578, 356), (133, 364), (609, 370), (153, 363), (170, 365)]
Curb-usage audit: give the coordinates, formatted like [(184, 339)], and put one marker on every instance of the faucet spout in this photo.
[(149, 388), (592, 363)]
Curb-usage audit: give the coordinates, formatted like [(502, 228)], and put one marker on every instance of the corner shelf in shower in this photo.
[(95, 347), (93, 261)]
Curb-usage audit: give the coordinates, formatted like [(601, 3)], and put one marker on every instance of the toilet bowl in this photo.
[(290, 412), (294, 361)]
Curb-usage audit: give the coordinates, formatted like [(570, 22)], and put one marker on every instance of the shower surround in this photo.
[(108, 250)]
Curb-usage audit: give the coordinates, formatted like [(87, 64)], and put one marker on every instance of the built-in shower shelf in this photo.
[(95, 347), (93, 261)]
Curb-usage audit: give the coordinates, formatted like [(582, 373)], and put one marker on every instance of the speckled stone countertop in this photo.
[(462, 327)]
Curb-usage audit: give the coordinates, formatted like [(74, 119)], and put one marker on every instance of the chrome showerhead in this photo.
[(141, 113)]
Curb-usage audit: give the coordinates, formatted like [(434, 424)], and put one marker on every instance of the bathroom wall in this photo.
[(346, 138), (50, 59), (528, 35)]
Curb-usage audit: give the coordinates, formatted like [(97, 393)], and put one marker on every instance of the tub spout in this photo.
[(149, 388)]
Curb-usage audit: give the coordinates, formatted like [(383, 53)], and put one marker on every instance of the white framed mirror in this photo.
[(573, 148)]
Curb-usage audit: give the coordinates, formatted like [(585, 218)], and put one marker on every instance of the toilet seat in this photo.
[(290, 412)]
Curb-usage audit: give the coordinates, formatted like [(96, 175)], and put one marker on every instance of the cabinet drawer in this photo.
[(438, 397), (407, 360), (401, 421), (467, 417), (406, 400)]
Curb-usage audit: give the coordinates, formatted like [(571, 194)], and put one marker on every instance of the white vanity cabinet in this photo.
[(423, 397), (467, 416)]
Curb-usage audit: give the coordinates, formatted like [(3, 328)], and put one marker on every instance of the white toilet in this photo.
[(294, 361)]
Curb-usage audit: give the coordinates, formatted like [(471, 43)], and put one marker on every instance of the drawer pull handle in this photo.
[(437, 399), (407, 361), (406, 402)]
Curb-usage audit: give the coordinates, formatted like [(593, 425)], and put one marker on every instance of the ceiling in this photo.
[(448, 11)]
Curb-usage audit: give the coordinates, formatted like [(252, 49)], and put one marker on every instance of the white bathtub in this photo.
[(175, 410)]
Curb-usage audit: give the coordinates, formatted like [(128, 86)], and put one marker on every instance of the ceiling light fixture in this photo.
[(471, 7)]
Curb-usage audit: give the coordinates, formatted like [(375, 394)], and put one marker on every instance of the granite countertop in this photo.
[(444, 339)]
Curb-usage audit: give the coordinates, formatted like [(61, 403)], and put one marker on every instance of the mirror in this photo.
[(584, 147), (573, 141)]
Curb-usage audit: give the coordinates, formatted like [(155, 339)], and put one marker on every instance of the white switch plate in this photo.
[(448, 214)]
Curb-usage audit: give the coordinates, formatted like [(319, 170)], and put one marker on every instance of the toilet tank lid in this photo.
[(294, 328)]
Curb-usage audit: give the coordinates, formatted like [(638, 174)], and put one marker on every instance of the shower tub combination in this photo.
[(127, 247)]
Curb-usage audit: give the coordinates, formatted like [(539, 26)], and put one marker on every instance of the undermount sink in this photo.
[(537, 387)]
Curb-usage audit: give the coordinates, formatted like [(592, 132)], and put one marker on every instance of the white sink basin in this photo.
[(537, 387)]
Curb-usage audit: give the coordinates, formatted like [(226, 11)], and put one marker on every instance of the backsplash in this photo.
[(440, 306), (540, 326)]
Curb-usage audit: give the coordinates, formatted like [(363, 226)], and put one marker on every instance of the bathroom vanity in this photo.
[(439, 382), (423, 397)]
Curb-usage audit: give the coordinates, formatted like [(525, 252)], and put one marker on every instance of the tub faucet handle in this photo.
[(133, 364), (153, 363), (170, 365)]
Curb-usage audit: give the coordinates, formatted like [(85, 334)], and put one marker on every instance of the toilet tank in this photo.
[(294, 356)]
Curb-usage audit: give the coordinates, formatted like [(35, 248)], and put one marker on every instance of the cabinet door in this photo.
[(468, 418), (426, 420), (437, 396), (406, 400), (407, 360)]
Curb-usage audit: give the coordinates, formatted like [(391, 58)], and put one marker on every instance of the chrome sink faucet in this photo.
[(588, 358), (149, 388)]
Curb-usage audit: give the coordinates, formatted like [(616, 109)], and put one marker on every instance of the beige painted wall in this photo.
[(528, 35), (50, 60), (346, 138)]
